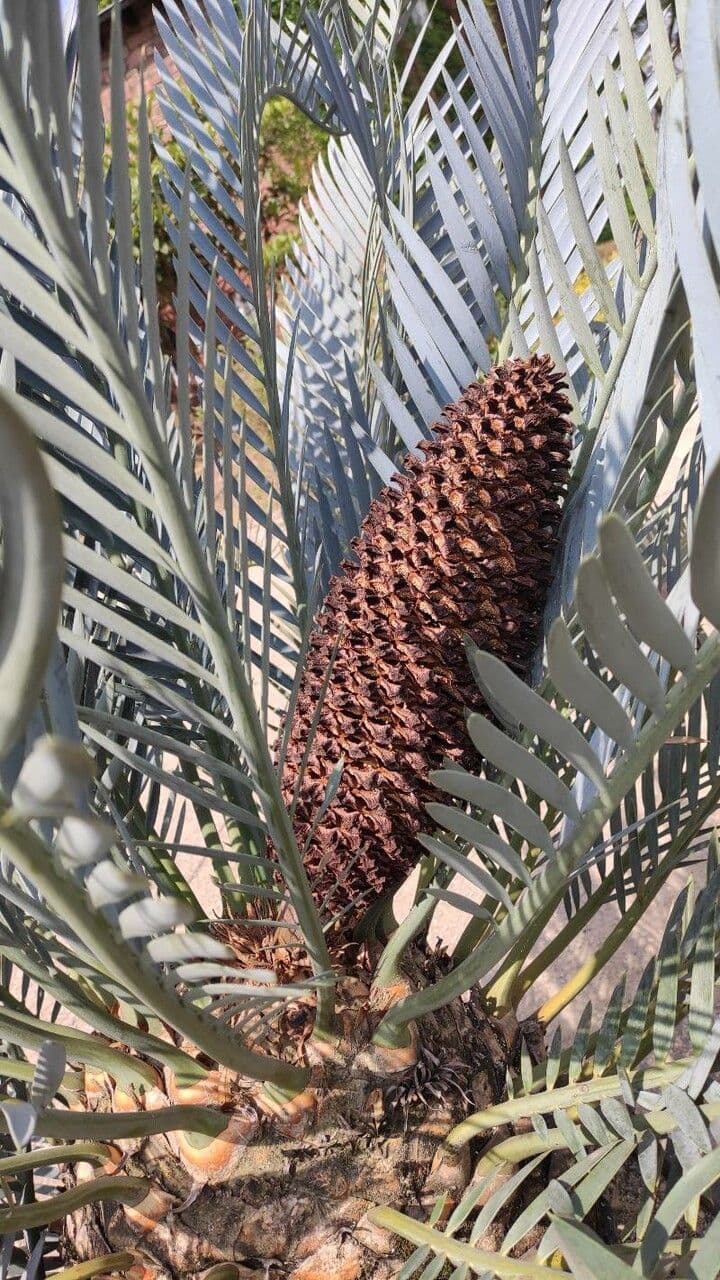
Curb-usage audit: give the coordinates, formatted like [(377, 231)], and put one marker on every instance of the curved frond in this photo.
[(165, 700), (656, 675)]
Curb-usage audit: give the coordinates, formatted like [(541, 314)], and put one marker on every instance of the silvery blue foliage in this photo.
[(535, 191)]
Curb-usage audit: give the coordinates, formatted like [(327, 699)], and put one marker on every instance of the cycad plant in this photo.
[(407, 567)]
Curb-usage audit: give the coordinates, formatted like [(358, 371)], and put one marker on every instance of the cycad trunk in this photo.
[(290, 1197)]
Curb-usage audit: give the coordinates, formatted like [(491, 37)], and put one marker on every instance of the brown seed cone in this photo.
[(463, 545)]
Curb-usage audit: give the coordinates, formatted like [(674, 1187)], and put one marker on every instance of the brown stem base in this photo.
[(296, 1202)]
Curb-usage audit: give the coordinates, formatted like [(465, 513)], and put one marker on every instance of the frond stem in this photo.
[(566, 1098), (551, 882)]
